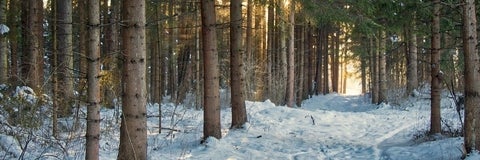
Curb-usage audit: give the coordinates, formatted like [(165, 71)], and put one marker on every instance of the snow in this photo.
[(325, 127), (4, 29)]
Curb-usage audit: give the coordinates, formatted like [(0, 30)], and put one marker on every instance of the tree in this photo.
[(291, 57), (3, 44), (211, 99), (93, 82), (133, 130), (435, 125), (472, 77), (13, 35), (239, 113), (64, 50), (32, 33), (412, 75)]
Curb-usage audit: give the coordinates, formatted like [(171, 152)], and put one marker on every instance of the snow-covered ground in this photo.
[(325, 127)]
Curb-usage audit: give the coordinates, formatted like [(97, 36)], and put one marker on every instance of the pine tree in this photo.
[(211, 101), (133, 130)]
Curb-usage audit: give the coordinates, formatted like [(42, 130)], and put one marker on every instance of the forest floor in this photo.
[(325, 127)]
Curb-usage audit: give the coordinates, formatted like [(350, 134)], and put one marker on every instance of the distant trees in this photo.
[(187, 52)]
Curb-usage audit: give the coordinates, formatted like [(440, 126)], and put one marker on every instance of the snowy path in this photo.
[(330, 127), (325, 127)]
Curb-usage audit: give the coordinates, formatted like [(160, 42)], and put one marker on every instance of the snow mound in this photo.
[(10, 145), (4, 29)]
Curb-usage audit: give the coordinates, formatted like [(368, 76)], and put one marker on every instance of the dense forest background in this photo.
[(103, 53)]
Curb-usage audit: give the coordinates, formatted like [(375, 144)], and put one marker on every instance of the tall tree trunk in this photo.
[(412, 77), (133, 130), (239, 113), (435, 125), (472, 77), (32, 59), (211, 102), (3, 44), (251, 71), (375, 82), (303, 67), (326, 55), (13, 20), (382, 68), (64, 50), (82, 46), (291, 57), (172, 38), (319, 59), (270, 46), (93, 81), (110, 54)]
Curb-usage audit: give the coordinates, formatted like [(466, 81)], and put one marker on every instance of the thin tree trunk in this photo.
[(435, 124), (382, 70), (3, 44), (291, 57), (326, 55), (472, 77), (375, 81), (211, 102), (248, 52), (239, 114), (93, 90), (13, 19)]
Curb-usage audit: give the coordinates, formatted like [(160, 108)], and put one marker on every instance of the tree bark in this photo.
[(382, 68), (32, 59), (412, 77), (472, 77), (133, 130), (65, 55), (211, 102), (93, 82), (291, 57), (3, 44), (239, 114), (435, 125), (13, 20)]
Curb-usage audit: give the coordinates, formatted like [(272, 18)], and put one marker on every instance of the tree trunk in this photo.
[(13, 20), (374, 66), (270, 46), (382, 70), (133, 130), (251, 70), (412, 77), (32, 59), (65, 55), (239, 114), (3, 44), (211, 102), (93, 82), (291, 57), (435, 125), (472, 77), (326, 54)]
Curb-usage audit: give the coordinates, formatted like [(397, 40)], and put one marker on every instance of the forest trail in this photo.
[(367, 121), (325, 127)]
